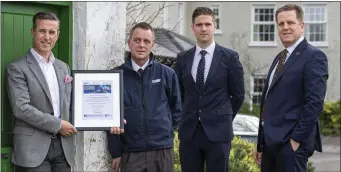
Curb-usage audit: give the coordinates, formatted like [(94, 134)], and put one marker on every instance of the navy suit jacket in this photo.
[(295, 100), (220, 100)]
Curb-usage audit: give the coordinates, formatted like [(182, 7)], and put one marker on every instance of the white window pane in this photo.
[(266, 17), (311, 17), (218, 23), (307, 27), (256, 37), (316, 32), (256, 28), (261, 11), (266, 11), (318, 18), (312, 28), (317, 37), (307, 10), (306, 17), (272, 36), (272, 17), (318, 11), (323, 36), (216, 12), (323, 15), (261, 17), (306, 35)]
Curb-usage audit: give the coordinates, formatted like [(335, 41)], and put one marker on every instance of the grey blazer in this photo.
[(30, 100)]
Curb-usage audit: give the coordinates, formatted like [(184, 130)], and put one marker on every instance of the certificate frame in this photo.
[(97, 100)]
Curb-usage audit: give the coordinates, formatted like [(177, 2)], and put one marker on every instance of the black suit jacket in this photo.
[(222, 96), (295, 100)]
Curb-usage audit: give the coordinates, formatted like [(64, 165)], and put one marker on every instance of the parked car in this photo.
[(246, 126)]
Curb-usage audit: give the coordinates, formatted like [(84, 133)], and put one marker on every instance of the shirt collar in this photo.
[(292, 47), (41, 59), (209, 49), (137, 67)]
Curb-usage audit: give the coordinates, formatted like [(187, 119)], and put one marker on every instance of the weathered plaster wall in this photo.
[(98, 38)]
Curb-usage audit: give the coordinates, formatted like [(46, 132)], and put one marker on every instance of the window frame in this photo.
[(217, 6), (252, 87), (320, 5), (253, 22)]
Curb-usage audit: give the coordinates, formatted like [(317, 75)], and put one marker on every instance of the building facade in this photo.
[(250, 29)]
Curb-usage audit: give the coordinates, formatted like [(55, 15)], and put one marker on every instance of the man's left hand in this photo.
[(294, 144)]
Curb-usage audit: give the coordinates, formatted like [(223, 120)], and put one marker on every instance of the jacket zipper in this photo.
[(144, 114)]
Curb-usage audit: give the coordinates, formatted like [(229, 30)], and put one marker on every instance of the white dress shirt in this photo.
[(137, 67), (290, 50), (51, 79), (208, 60)]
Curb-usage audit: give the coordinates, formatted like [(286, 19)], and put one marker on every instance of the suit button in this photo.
[(199, 111), (199, 97)]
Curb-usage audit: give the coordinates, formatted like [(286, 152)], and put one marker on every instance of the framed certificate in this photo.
[(97, 99)]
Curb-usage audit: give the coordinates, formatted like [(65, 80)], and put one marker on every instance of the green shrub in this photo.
[(245, 109), (177, 166), (241, 157), (330, 119), (310, 167)]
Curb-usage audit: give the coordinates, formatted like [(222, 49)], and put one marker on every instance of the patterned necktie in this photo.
[(140, 71), (280, 66), (200, 80)]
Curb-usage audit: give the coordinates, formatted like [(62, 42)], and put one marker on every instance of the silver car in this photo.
[(246, 126)]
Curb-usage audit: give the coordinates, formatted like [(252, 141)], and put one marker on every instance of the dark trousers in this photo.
[(161, 160), (285, 159), (55, 160), (200, 150)]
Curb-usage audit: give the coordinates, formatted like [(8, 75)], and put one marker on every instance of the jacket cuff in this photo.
[(116, 154)]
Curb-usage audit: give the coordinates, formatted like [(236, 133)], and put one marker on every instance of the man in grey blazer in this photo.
[(39, 89)]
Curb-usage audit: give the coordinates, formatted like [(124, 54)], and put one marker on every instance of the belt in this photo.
[(55, 136)]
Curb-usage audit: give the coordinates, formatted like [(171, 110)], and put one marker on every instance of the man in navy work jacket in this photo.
[(292, 100), (152, 109), (212, 84)]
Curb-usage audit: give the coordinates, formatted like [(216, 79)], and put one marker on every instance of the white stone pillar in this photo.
[(98, 38)]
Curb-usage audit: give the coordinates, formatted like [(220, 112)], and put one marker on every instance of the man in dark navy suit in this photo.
[(292, 100), (212, 87)]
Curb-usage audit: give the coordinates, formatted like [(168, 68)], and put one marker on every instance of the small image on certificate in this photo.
[(97, 100)]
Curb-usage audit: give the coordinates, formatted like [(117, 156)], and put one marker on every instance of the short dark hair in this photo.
[(44, 16), (141, 25), (202, 11), (291, 7)]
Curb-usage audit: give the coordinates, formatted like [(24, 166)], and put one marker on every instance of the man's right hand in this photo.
[(67, 129), (117, 130), (116, 163), (258, 157)]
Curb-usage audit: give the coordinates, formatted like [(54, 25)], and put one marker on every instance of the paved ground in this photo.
[(329, 159)]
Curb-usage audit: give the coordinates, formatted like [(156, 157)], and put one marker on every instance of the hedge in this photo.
[(329, 119), (241, 157)]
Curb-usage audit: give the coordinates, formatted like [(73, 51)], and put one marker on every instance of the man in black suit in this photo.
[(212, 86), (292, 100)]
